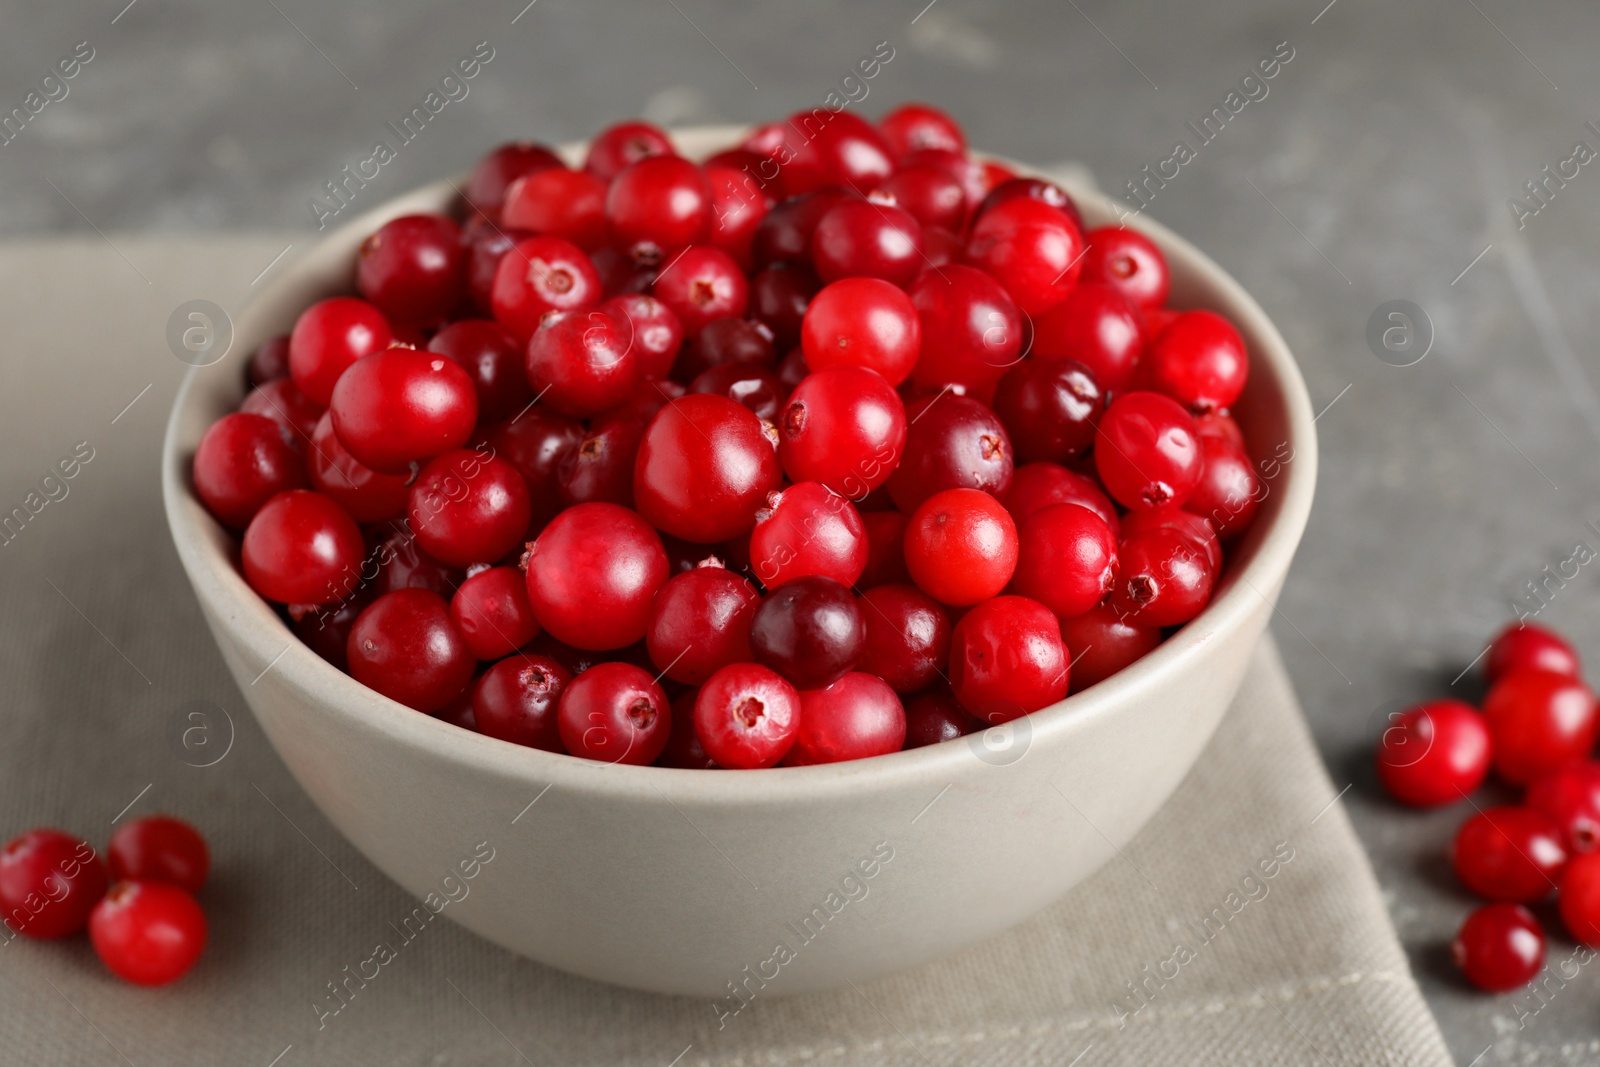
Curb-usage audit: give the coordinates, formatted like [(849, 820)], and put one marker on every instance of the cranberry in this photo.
[(683, 744), (159, 848), (1050, 408), (1527, 645), (1066, 559), (538, 276), (1105, 644), (1033, 189), (940, 248), (961, 547), (148, 933), (364, 493), (793, 370), (1229, 491), (399, 406), (241, 463), (975, 182), (867, 238), (270, 361), (844, 427), (659, 206), (700, 622), (1007, 659), (746, 384), (1147, 451), (856, 717), (1570, 796), (724, 341), (281, 401), (737, 207), (1030, 248), (1539, 722), (493, 359), (600, 469), (1199, 360), (582, 362), (486, 245), (951, 442), (808, 529), (1128, 261), (1434, 753), (1196, 527), (912, 127), (328, 337), (592, 575), (702, 283), (935, 716), (559, 203), (486, 189), (327, 631), (1509, 853), (413, 268), (1096, 326), (929, 194), (746, 716), (657, 334), (779, 298), (704, 466), (851, 150), (49, 882), (1220, 424), (623, 144), (516, 701), (1580, 899), (535, 443), (1500, 947), (492, 614), (614, 713), (1038, 485), (971, 331), (405, 647), (301, 548), (810, 631), (402, 565), (784, 236), (1164, 577), (862, 322), (886, 549), (908, 637)]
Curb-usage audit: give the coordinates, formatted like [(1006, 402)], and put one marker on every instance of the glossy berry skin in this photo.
[(1580, 899), (807, 529), (929, 194), (516, 701), (780, 296), (329, 336), (844, 427), (1147, 451), (582, 362), (1434, 753), (1199, 360), (399, 406), (558, 203), (856, 717), (1196, 527), (935, 716), (623, 144), (601, 467), (1571, 797), (1066, 559), (282, 401), (301, 548), (850, 149), (592, 575), (1104, 643), (270, 361), (657, 334), (1164, 577), (1034, 189), (700, 284), (972, 331), (1096, 326), (704, 467), (538, 276), (886, 549), (405, 647), (403, 565), (908, 637), (724, 341), (737, 207), (810, 631), (492, 614), (486, 189), (413, 268), (1050, 408), (746, 716), (1527, 645), (1509, 853), (1229, 491), (752, 386), (148, 933), (684, 749), (975, 183), (467, 507), (243, 461), (326, 631), (1539, 722), (867, 238), (700, 623), (784, 236), (961, 547), (1500, 947), (1129, 262), (493, 358), (862, 322), (1038, 485), (614, 713), (952, 442), (913, 127), (536, 443), (1007, 659), (1031, 249), (159, 848), (659, 206), (49, 882), (367, 495)]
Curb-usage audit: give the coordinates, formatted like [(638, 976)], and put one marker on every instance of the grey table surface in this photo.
[(1379, 166)]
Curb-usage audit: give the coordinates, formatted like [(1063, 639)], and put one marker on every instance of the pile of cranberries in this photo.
[(138, 903), (1537, 730), (839, 442)]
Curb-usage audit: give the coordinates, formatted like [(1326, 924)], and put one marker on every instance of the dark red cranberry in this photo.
[(582, 362), (930, 194), (535, 443), (1539, 722), (851, 150), (951, 442), (793, 370), (623, 144), (705, 465), (1500, 947), (700, 622), (684, 749), (1007, 659), (746, 716), (1147, 451), (1128, 261), (1033, 189), (1038, 485), (159, 848), (405, 647), (270, 361), (1050, 408), (867, 238), (326, 631), (659, 206), (400, 406), (844, 427), (538, 276), (961, 546), (935, 716), (516, 701), (486, 244), (301, 548), (1066, 559), (329, 336), (972, 331), (1164, 577), (702, 283), (862, 322), (1199, 360), (856, 717), (724, 341), (1103, 643), (748, 384), (912, 127), (1221, 425), (1571, 797), (295, 414), (908, 637), (592, 575), (600, 469), (49, 882), (810, 631), (807, 529), (975, 183), (559, 203), (1434, 753), (413, 268), (492, 614), (614, 713), (493, 359), (1031, 248), (1229, 491), (1197, 528), (779, 297), (784, 236), (401, 564), (886, 552), (486, 189), (1509, 853), (1527, 645), (1096, 326), (243, 461)]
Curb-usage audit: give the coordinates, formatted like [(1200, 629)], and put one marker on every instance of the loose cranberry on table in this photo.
[(1580, 899), (1434, 753), (700, 622), (413, 269), (1147, 451), (492, 614), (1007, 659), (1097, 327), (1509, 853), (952, 442), (593, 574), (328, 338), (934, 716), (908, 637), (541, 275), (516, 701), (862, 322), (49, 882), (1527, 645), (1066, 559), (1104, 642), (972, 331), (1571, 797), (614, 713), (1500, 947), (746, 716), (855, 717), (159, 848), (1539, 722), (302, 548), (405, 647), (810, 631), (242, 462), (401, 406), (844, 427), (148, 933), (961, 546), (467, 507), (705, 465), (1199, 360)]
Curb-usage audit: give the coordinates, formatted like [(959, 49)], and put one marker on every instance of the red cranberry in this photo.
[(746, 384), (1500, 947), (1580, 899), (1164, 577), (1570, 796), (779, 298), (1007, 659), (807, 529), (582, 362), (784, 236), (399, 406), (1220, 424), (844, 427), (241, 463), (413, 268), (592, 575), (1197, 528), (1509, 853), (486, 189), (934, 716), (961, 547), (270, 360), (492, 614), (951, 442), (1038, 485), (329, 336), (929, 194), (1033, 189), (659, 206), (535, 443), (1030, 248), (1147, 451), (971, 331), (281, 401), (301, 548), (1128, 261), (793, 370), (1527, 645), (746, 716), (1539, 722), (1229, 491), (908, 637), (367, 495), (724, 341), (614, 713), (684, 749), (913, 127), (867, 238), (559, 203), (657, 333), (327, 631), (1050, 408), (862, 322), (1066, 559), (538, 276), (159, 848), (705, 465), (1199, 360), (702, 283), (856, 717), (486, 245), (810, 631), (49, 882), (886, 549), (1096, 326), (700, 623), (493, 359), (975, 182), (147, 933), (1105, 643), (405, 647), (850, 148), (1434, 753), (623, 144), (516, 701), (600, 469), (402, 565), (737, 207)]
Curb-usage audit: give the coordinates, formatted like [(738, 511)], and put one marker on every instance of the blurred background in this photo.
[(1380, 166)]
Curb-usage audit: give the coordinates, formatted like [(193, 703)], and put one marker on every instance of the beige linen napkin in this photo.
[(1243, 926)]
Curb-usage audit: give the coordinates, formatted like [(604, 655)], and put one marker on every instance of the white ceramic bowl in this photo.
[(690, 881)]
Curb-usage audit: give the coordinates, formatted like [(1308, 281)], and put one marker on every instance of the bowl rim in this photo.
[(225, 595)]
